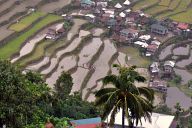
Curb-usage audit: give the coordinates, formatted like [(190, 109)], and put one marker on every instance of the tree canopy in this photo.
[(27, 101), (135, 102)]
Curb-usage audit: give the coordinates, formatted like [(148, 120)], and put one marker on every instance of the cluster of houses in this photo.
[(159, 71), (131, 27), (138, 29)]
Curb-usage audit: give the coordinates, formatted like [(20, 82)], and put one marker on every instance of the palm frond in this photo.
[(113, 79), (113, 113), (147, 92), (105, 91)]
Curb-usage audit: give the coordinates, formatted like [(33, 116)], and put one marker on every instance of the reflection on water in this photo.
[(165, 52), (174, 95)]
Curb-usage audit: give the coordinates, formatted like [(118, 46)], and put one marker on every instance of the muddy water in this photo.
[(165, 52), (31, 3), (74, 44), (97, 31), (64, 65), (185, 62), (28, 47), (101, 65), (53, 6), (89, 50), (75, 28), (6, 5), (51, 67), (185, 75), (78, 78), (77, 23), (174, 95), (38, 65), (92, 97), (181, 50), (19, 8), (84, 57), (4, 32)]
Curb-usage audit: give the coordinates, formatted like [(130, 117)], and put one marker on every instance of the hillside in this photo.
[(178, 10)]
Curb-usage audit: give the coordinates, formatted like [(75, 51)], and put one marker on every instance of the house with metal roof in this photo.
[(87, 123), (159, 29), (87, 4)]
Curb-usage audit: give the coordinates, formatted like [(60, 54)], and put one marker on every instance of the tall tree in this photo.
[(64, 85), (135, 102), (21, 100)]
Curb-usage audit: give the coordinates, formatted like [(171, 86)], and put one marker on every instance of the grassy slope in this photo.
[(183, 17), (25, 22), (165, 2), (14, 45), (156, 9), (135, 57), (143, 4), (181, 6)]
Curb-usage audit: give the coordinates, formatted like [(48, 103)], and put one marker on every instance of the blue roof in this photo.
[(86, 2), (87, 121)]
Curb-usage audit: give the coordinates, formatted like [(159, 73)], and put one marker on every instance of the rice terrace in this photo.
[(178, 10)]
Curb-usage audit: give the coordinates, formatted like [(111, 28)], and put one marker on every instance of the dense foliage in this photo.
[(27, 101)]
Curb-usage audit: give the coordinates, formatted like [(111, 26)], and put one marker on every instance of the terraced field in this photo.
[(11, 12), (178, 10), (87, 60), (25, 22), (13, 46)]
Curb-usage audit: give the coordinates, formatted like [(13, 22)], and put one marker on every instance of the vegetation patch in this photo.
[(165, 2), (156, 9), (134, 57), (37, 53), (185, 17), (14, 45), (144, 4), (176, 7), (26, 21)]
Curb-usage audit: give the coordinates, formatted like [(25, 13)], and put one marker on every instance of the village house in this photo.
[(87, 4), (141, 44), (154, 69), (87, 123), (159, 29), (55, 33), (183, 26), (101, 4), (118, 6), (127, 3), (111, 22), (158, 85), (168, 67), (151, 49), (90, 17), (128, 35)]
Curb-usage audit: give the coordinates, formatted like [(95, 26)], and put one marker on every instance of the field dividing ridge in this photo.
[(13, 46)]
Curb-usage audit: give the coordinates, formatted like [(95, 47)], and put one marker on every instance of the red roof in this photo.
[(152, 47), (183, 26), (88, 126)]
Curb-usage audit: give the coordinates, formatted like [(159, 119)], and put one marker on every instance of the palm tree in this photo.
[(135, 102)]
